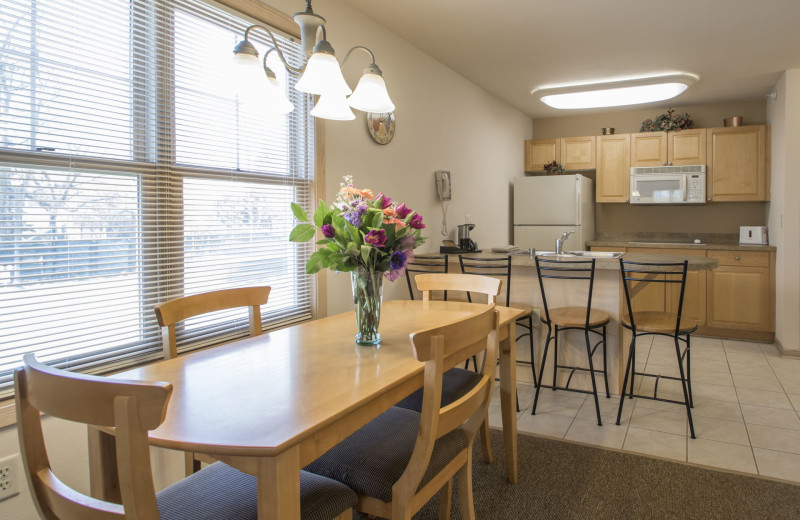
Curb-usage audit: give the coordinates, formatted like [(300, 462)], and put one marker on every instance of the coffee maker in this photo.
[(464, 242)]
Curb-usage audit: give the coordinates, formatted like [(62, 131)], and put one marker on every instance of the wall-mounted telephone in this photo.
[(443, 185)]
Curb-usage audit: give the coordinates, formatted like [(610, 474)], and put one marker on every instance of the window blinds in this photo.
[(136, 167)]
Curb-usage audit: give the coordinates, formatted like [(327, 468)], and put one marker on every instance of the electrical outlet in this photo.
[(9, 477)]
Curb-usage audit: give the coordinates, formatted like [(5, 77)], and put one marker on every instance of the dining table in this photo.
[(269, 405)]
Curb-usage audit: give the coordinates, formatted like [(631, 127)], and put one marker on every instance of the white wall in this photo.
[(443, 122), (783, 115)]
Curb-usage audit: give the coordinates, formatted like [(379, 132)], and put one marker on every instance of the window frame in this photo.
[(257, 13)]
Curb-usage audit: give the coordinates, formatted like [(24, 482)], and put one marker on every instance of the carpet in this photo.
[(560, 480)]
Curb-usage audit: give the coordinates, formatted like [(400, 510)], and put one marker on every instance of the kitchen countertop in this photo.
[(734, 246), (696, 263)]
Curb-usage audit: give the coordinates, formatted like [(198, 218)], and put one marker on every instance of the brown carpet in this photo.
[(560, 480)]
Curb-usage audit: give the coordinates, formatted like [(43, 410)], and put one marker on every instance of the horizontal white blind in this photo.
[(134, 168)]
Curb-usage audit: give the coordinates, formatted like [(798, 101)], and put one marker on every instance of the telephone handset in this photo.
[(443, 185)]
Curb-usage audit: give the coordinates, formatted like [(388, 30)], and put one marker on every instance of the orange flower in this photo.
[(389, 212), (398, 224), (352, 190)]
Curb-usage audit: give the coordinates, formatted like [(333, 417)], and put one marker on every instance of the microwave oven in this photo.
[(668, 185)]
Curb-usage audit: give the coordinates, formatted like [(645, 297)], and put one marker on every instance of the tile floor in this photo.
[(746, 414)]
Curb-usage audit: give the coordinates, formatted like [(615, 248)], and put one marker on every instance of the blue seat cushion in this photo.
[(373, 458), (455, 383), (220, 492)]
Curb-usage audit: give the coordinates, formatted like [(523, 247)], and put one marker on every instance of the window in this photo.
[(133, 172)]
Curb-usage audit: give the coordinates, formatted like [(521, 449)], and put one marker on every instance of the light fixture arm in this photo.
[(372, 68), (246, 43)]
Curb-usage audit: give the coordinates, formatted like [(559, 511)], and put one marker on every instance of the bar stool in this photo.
[(572, 318), (425, 264), (501, 268), (657, 323)]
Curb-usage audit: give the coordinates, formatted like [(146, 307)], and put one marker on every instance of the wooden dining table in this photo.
[(271, 404)]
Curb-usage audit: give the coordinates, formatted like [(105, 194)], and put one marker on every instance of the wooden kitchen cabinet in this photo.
[(539, 152), (613, 168), (737, 164), (579, 153), (669, 148), (741, 291)]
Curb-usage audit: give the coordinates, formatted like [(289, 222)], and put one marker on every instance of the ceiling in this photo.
[(738, 48)]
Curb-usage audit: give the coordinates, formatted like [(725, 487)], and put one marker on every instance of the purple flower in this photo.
[(328, 231), (356, 217), (402, 210), (397, 260), (376, 237), (416, 222), (394, 274), (385, 201)]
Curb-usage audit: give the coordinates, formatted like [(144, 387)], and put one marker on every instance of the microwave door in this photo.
[(684, 190)]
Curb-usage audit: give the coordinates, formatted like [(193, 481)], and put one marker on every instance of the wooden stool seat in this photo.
[(576, 317), (659, 322)]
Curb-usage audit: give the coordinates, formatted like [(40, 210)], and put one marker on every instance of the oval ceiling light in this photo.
[(632, 91)]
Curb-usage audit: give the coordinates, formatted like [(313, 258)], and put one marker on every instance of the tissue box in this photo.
[(753, 235)]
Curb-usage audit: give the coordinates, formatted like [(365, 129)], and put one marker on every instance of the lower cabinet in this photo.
[(740, 291)]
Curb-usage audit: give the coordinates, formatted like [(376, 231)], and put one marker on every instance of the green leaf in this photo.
[(302, 233), (299, 213), (323, 241), (322, 211), (377, 219), (355, 235), (316, 261), (365, 251)]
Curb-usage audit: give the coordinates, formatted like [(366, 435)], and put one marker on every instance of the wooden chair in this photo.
[(561, 319), (398, 461), (173, 311), (456, 381), (133, 408), (635, 276), (425, 264), (501, 268)]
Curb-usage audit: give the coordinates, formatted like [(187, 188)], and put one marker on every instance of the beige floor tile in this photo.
[(775, 417), (741, 347), (655, 443), (764, 398), (789, 378), (706, 342), (750, 369), (709, 428), (795, 399), (784, 362), (659, 420), (769, 384), (559, 402), (670, 369), (714, 378), (525, 393), (717, 409), (608, 411), (608, 435), (659, 405), (717, 392), (545, 424), (665, 359), (778, 464), (712, 365), (722, 455), (711, 354), (769, 350), (771, 438)]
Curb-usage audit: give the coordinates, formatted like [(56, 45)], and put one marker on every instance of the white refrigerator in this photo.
[(547, 206)]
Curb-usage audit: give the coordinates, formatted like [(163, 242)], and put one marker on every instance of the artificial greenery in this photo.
[(669, 122)]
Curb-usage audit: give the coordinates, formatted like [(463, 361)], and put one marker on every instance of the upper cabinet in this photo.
[(669, 148), (578, 153), (737, 164), (574, 153), (613, 168), (539, 152)]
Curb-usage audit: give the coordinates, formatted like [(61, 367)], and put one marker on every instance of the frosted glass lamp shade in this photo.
[(333, 106), (276, 99), (323, 76), (371, 95)]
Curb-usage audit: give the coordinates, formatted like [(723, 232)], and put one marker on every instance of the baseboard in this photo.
[(784, 352), (763, 337)]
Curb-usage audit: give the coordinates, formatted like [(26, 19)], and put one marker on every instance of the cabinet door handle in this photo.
[(709, 198), (737, 258), (663, 164), (670, 163)]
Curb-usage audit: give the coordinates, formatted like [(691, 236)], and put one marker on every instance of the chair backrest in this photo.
[(637, 275), (495, 267), (441, 348), (581, 270), (171, 312), (425, 264), (427, 283), (131, 407)]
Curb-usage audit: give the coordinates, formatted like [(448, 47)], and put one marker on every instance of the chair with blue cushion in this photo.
[(132, 408), (400, 460)]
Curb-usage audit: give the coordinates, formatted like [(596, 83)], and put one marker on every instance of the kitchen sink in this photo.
[(582, 254)]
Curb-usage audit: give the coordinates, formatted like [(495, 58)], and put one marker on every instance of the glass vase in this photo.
[(367, 297)]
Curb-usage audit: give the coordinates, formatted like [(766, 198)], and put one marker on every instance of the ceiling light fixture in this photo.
[(321, 75), (631, 91)]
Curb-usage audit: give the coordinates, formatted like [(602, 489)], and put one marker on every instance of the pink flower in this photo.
[(416, 222), (376, 238), (385, 201), (402, 210)]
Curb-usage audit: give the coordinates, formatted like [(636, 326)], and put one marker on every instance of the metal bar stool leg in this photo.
[(689, 369), (555, 359), (625, 380), (541, 370), (605, 368), (591, 376), (685, 389), (533, 357), (633, 364)]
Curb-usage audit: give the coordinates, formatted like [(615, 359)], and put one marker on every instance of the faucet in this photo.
[(560, 241)]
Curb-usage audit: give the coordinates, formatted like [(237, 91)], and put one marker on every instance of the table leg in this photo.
[(508, 398), (279, 486), (103, 476)]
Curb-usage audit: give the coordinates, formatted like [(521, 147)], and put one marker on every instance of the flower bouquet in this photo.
[(368, 235), (669, 122), (554, 168)]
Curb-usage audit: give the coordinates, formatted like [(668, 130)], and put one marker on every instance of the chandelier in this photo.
[(320, 75)]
